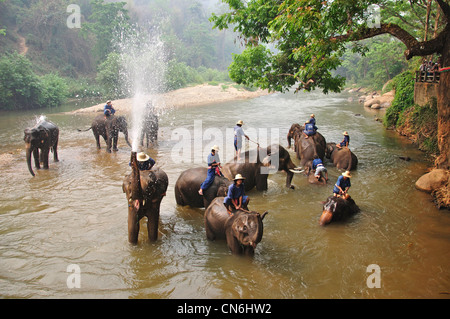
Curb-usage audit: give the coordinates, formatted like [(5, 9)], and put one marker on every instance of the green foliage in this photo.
[(378, 63), (21, 88), (311, 39), (107, 22), (420, 124), (180, 75), (54, 90), (403, 99), (108, 76)]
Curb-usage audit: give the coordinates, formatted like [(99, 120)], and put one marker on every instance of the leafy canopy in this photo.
[(309, 37)]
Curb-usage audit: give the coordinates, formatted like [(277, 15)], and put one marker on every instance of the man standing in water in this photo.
[(238, 134), (213, 169)]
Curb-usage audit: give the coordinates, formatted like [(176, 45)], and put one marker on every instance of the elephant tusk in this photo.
[(295, 171)]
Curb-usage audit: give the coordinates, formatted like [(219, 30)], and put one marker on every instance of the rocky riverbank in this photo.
[(419, 127), (373, 99)]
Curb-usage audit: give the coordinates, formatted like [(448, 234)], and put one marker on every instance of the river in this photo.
[(75, 213)]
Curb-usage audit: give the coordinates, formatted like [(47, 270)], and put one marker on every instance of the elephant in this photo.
[(243, 230), (254, 162), (109, 127), (306, 148), (188, 184), (150, 126), (44, 136), (337, 209), (341, 158), (144, 191)]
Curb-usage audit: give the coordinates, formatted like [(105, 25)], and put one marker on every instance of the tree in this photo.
[(108, 21), (311, 36)]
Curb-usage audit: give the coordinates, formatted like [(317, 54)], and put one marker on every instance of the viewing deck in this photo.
[(427, 76)]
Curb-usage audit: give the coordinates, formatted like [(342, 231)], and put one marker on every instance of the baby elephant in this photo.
[(337, 209), (242, 230), (39, 140)]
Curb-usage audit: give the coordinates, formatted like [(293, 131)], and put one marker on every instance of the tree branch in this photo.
[(413, 46), (445, 8)]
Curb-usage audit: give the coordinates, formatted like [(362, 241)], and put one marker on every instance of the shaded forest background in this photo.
[(43, 62)]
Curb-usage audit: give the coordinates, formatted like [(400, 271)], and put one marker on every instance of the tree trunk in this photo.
[(443, 105)]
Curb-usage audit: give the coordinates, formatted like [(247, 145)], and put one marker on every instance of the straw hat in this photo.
[(142, 157), (345, 133), (238, 176), (240, 122), (346, 174), (215, 148), (312, 115), (109, 101)]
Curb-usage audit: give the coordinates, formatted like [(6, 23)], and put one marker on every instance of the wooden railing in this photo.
[(427, 76)]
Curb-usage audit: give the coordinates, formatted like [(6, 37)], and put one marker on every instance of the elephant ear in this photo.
[(27, 135)]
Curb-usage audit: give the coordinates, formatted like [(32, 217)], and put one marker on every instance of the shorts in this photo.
[(319, 170)]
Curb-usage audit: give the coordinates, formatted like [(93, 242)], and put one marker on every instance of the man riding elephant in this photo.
[(242, 230), (306, 148), (109, 127), (188, 183), (236, 198), (342, 158)]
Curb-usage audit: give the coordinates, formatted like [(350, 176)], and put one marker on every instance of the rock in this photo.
[(369, 102), (432, 180), (375, 106)]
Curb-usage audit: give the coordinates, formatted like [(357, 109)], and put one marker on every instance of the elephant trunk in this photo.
[(29, 151), (136, 197), (125, 133)]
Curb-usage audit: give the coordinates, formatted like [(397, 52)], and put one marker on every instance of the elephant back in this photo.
[(154, 183)]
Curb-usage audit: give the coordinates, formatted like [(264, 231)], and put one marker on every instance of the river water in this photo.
[(75, 213)]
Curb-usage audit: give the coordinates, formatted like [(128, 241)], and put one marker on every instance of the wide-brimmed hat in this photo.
[(345, 133), (238, 176), (215, 148), (240, 122), (312, 115), (142, 157), (346, 174), (109, 101)]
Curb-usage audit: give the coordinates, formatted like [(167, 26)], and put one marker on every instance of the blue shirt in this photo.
[(316, 162), (108, 110), (234, 192), (310, 129), (312, 121), (345, 141), (213, 159), (342, 183)]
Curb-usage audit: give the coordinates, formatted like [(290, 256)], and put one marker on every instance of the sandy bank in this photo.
[(185, 97)]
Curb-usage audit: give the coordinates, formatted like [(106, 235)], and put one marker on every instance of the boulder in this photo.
[(432, 180), (375, 106), (370, 102)]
